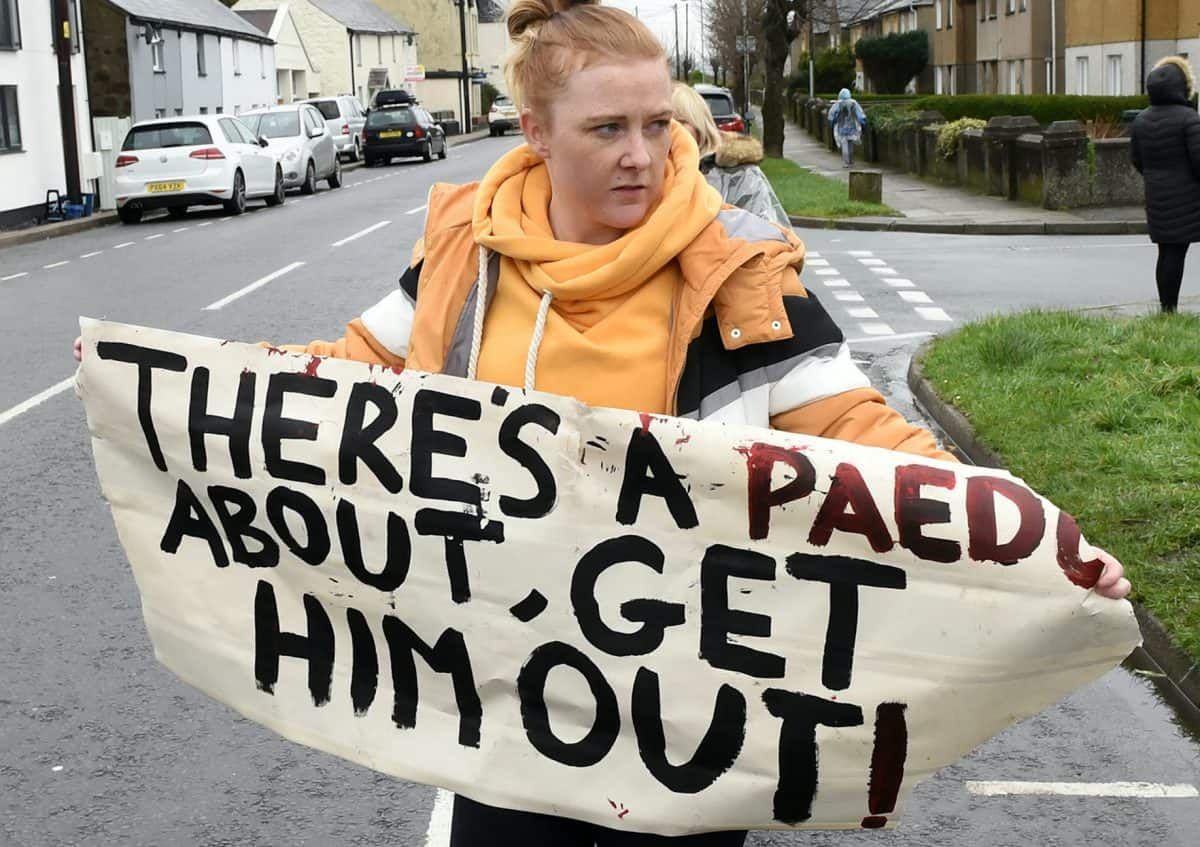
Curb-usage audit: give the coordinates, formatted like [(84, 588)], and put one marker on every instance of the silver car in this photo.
[(345, 118), (297, 134)]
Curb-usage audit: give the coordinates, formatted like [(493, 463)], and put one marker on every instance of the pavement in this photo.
[(928, 207), (42, 232)]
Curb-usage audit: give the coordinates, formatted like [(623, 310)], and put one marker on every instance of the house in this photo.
[(493, 42), (357, 46), (32, 155), (156, 58), (1020, 46), (953, 46), (437, 21), (1109, 52), (892, 17), (296, 77)]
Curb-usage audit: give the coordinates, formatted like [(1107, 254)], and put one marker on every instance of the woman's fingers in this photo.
[(78, 349), (1112, 582)]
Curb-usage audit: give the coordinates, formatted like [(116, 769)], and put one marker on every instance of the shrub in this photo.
[(834, 70), (891, 61), (948, 134), (887, 119), (1045, 108)]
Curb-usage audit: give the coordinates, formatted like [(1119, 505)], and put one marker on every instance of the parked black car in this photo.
[(393, 131)]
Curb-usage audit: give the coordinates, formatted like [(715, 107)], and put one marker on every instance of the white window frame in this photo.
[(950, 14), (358, 49), (262, 60), (14, 17), (1114, 67), (937, 15), (237, 56), (157, 52), (1081, 74), (8, 142), (201, 59)]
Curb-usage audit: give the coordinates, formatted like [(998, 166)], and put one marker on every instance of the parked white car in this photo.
[(201, 160), (300, 137), (345, 119)]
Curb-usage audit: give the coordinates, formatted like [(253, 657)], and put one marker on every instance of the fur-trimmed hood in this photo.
[(1171, 81), (737, 149)]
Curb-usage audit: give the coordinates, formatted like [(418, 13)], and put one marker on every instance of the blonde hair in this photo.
[(551, 39), (690, 108)]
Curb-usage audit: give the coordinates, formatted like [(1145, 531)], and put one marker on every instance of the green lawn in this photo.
[(803, 192), (1102, 416)]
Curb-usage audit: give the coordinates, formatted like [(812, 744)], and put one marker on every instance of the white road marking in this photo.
[(438, 832), (360, 233), (915, 296), (418, 209), (860, 252), (56, 264), (816, 263), (900, 337), (258, 283), (883, 271), (865, 312), (152, 237), (897, 282), (13, 276), (181, 229), (227, 218), (206, 223), (827, 272), (1083, 789), (93, 253), (932, 313), (848, 296), (813, 254), (36, 400), (876, 329), (122, 245), (837, 283), (873, 263)]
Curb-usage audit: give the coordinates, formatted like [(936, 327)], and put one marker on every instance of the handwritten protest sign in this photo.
[(649, 623)]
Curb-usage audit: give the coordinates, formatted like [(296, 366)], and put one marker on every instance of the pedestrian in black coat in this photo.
[(1166, 151)]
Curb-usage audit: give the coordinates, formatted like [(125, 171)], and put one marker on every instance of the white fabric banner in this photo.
[(645, 622)]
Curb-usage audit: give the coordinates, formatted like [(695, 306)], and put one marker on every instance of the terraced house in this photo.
[(1112, 44), (953, 46), (1020, 45)]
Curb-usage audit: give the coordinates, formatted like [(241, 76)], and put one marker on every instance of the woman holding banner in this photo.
[(595, 261)]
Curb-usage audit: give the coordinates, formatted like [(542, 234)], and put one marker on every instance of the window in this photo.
[(1081, 75), (10, 120), (393, 49), (938, 88), (178, 112), (262, 61), (1024, 5), (937, 17), (10, 26), (379, 49), (950, 13), (237, 56), (174, 134), (204, 110), (1011, 7), (358, 50), (201, 59), (160, 113), (229, 131), (1113, 85), (220, 110), (156, 51)]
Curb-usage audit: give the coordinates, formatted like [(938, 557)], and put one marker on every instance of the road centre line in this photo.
[(438, 832), (156, 235), (418, 209), (181, 229), (360, 233), (56, 264), (93, 253), (123, 244), (36, 400), (206, 223), (14, 276), (258, 283), (1083, 789)]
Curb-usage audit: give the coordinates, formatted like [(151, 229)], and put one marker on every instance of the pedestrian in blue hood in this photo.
[(848, 120)]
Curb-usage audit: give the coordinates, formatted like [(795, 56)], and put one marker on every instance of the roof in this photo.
[(361, 16), (491, 11), (203, 15), (261, 19), (856, 11)]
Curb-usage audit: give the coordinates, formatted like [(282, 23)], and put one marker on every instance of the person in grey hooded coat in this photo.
[(1166, 150)]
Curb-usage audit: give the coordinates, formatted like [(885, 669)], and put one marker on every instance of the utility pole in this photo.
[(675, 7), (466, 70), (66, 97), (746, 54), (687, 38)]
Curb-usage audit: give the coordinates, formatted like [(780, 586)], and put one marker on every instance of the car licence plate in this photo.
[(394, 133), (159, 187)]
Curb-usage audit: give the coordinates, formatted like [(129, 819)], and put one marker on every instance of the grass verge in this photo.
[(1101, 416), (803, 192)]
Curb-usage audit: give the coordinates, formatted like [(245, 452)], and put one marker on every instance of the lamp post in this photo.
[(466, 70)]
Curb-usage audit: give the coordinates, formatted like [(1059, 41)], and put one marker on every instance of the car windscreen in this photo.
[(329, 109), (719, 104), (155, 136), (387, 118), (273, 124)]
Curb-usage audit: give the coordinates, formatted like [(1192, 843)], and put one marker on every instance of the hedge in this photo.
[(1045, 108), (867, 97)]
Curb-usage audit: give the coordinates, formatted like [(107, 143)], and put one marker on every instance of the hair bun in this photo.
[(523, 14)]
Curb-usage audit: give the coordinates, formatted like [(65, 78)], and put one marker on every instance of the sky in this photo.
[(659, 16)]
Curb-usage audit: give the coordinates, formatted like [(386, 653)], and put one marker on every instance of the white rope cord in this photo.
[(480, 310), (539, 330)]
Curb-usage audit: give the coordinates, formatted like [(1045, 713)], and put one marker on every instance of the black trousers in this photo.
[(1171, 258), (477, 825)]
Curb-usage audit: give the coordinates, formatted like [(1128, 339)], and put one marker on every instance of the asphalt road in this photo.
[(100, 745)]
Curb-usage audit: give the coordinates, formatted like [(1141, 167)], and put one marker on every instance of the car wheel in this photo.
[(442, 152), (427, 153), (310, 179), (236, 204), (357, 154), (176, 212), (276, 198), (335, 178), (129, 215), (492, 131)]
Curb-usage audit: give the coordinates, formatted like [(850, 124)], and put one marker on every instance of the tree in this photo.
[(891, 61)]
